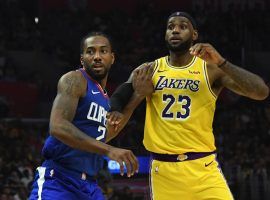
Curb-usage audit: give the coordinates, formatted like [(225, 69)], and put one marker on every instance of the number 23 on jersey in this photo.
[(183, 104)]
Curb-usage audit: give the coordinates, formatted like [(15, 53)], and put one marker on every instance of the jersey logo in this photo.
[(176, 83), (194, 72), (95, 92), (182, 157), (207, 164), (51, 173)]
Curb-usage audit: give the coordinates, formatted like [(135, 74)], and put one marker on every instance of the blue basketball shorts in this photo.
[(52, 184)]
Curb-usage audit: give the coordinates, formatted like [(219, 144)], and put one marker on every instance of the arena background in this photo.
[(39, 41)]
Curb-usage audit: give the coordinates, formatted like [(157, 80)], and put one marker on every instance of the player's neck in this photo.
[(103, 83), (179, 59)]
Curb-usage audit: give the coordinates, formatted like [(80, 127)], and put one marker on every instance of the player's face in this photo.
[(97, 57), (179, 34)]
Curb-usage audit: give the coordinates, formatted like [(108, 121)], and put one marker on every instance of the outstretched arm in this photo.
[(71, 87), (141, 82), (232, 77)]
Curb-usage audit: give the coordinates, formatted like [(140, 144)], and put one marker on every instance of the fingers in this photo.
[(110, 118), (206, 52), (121, 164), (128, 167), (135, 163), (202, 53), (114, 118), (150, 71), (135, 74), (132, 164), (144, 72), (128, 160), (200, 49), (124, 158)]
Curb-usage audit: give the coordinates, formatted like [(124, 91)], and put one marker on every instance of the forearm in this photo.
[(73, 137), (113, 130), (135, 100), (121, 97), (251, 85)]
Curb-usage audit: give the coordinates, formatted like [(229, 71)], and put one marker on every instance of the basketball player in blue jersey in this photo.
[(78, 130), (181, 90)]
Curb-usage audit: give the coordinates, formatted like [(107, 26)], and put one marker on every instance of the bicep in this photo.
[(64, 107), (67, 98)]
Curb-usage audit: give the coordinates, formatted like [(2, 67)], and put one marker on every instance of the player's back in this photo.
[(90, 118), (180, 112)]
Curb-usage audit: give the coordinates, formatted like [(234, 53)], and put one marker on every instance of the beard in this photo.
[(98, 76), (182, 47)]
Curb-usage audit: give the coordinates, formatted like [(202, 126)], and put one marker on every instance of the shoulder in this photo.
[(73, 82)]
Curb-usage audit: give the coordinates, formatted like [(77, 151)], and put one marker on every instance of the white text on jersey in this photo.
[(97, 113)]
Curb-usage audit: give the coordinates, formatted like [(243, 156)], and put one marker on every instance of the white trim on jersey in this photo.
[(151, 188), (41, 180)]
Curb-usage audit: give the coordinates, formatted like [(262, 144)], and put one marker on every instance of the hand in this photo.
[(114, 119), (142, 80), (207, 52), (124, 156)]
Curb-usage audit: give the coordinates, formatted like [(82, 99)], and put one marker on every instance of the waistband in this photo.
[(69, 172), (180, 157)]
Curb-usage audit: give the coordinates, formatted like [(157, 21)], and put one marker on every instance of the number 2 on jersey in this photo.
[(103, 131), (184, 111)]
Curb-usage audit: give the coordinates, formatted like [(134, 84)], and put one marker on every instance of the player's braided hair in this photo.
[(92, 34)]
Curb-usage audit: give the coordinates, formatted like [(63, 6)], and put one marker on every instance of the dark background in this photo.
[(39, 41)]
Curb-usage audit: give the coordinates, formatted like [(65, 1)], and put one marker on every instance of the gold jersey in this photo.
[(179, 114)]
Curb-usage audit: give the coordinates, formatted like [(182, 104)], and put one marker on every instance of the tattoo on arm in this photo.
[(251, 85), (71, 85)]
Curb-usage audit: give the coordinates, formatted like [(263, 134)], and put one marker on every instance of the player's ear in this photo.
[(81, 59), (113, 57), (195, 35)]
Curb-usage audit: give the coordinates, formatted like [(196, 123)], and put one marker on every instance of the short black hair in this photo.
[(186, 15), (93, 34)]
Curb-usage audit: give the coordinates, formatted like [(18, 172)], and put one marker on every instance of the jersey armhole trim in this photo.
[(207, 80), (155, 68)]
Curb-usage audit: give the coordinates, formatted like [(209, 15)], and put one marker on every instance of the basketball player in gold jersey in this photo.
[(181, 90)]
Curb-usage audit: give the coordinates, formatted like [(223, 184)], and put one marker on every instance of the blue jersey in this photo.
[(90, 118)]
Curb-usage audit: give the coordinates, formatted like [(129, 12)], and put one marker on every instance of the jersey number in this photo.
[(102, 130), (184, 101)]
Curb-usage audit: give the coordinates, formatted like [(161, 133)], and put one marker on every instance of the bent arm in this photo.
[(124, 92), (244, 82), (114, 127), (133, 95), (70, 88), (234, 78)]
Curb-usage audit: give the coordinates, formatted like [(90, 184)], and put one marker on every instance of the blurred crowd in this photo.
[(138, 37), (20, 148), (241, 127)]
